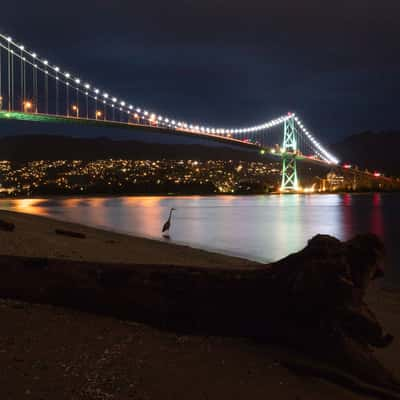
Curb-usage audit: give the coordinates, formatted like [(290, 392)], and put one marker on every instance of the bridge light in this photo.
[(9, 39), (114, 99), (87, 86), (34, 55), (77, 81), (27, 105), (105, 95), (130, 107), (67, 75), (123, 103), (45, 62), (56, 69), (22, 47), (138, 110)]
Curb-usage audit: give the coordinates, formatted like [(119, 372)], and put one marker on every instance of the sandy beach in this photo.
[(53, 352)]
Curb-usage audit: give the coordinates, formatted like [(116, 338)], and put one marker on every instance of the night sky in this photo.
[(229, 63)]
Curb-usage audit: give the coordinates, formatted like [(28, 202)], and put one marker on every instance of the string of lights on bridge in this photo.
[(89, 90)]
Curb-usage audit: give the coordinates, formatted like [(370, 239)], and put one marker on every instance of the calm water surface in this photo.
[(262, 228)]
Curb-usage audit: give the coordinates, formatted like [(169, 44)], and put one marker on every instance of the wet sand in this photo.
[(52, 352)]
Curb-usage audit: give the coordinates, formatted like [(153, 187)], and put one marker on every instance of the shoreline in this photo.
[(101, 245), (138, 352), (116, 195)]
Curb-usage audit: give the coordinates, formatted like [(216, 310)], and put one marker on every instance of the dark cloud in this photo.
[(229, 62)]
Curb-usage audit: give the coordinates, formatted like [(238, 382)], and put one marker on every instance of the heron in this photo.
[(167, 225)]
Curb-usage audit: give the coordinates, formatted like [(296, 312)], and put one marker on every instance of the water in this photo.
[(262, 228)]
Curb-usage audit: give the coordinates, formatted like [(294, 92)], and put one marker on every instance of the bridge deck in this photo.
[(37, 117)]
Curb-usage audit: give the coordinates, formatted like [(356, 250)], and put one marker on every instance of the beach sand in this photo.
[(51, 352)]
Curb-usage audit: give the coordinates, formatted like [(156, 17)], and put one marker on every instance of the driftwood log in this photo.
[(312, 300), (73, 234)]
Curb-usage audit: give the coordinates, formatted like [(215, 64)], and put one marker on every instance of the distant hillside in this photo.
[(375, 151), (53, 147)]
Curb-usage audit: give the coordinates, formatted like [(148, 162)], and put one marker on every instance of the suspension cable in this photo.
[(1, 80), (67, 97), (57, 92), (9, 77)]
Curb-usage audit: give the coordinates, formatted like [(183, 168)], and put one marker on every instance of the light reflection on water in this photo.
[(262, 228)]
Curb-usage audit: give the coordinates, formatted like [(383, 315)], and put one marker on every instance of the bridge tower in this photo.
[(289, 153)]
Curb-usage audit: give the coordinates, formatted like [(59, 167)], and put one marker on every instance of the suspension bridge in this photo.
[(33, 88)]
